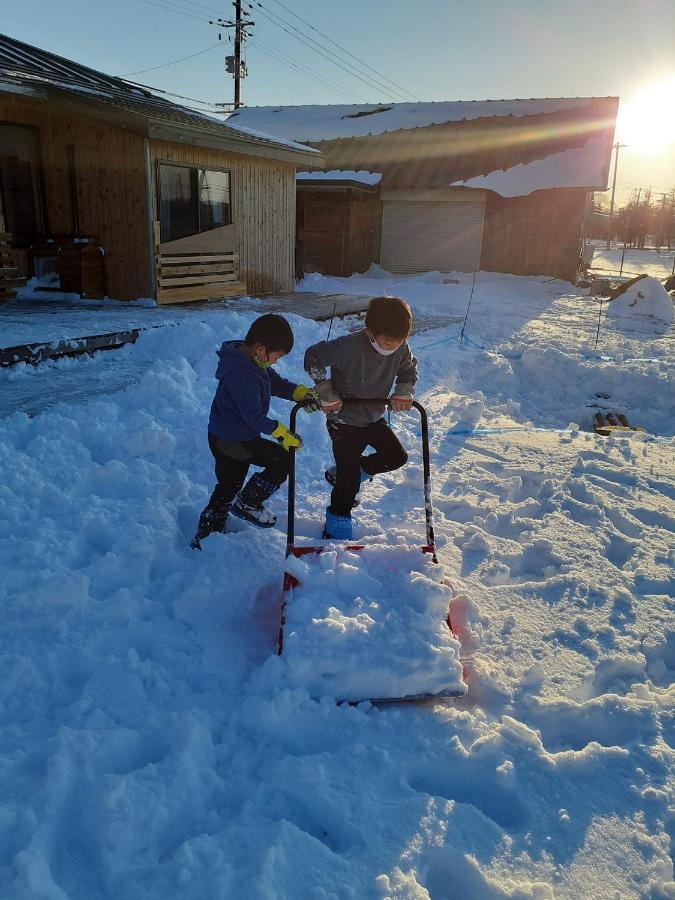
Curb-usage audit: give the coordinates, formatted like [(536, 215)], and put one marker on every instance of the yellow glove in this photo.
[(311, 402), (286, 438)]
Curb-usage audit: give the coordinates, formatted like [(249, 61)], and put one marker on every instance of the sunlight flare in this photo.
[(646, 121)]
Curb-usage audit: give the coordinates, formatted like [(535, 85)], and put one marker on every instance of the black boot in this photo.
[(249, 502), (213, 518)]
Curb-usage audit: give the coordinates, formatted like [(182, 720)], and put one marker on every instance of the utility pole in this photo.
[(234, 65), (237, 54), (661, 227), (611, 206), (635, 242)]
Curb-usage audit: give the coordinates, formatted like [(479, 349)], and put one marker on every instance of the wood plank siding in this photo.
[(540, 234), (338, 229), (263, 204), (110, 181), (110, 167)]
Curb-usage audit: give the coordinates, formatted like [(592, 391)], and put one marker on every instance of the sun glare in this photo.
[(646, 121)]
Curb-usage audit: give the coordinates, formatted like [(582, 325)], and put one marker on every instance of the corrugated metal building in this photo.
[(498, 185), (125, 193)]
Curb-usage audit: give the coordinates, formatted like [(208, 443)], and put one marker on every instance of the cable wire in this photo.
[(174, 61), (279, 55), (179, 12), (344, 50), (319, 48), (189, 9)]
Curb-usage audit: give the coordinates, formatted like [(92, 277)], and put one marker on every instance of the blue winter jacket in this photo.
[(242, 401)]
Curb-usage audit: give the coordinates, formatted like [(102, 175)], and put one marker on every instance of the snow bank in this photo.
[(154, 746), (647, 297), (370, 625)]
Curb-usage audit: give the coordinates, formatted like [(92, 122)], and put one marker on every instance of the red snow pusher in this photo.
[(392, 690)]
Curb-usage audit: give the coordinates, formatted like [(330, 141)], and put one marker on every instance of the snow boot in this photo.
[(338, 528), (248, 504), (213, 518)]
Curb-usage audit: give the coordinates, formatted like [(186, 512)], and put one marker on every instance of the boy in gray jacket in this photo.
[(363, 366)]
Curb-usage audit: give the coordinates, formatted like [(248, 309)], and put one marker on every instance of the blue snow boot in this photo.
[(338, 528)]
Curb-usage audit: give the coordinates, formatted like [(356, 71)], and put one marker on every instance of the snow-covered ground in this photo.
[(658, 264), (154, 747)]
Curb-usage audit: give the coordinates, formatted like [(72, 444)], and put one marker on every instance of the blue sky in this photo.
[(436, 49)]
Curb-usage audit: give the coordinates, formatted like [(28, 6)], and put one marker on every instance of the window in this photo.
[(192, 200), (19, 182)]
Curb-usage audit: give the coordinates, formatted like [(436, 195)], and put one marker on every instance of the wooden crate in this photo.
[(80, 266)]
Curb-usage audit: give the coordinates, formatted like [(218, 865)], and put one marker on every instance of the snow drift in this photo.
[(646, 297)]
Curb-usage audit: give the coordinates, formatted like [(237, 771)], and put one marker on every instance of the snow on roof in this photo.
[(559, 170), (328, 122), (341, 175), (250, 132)]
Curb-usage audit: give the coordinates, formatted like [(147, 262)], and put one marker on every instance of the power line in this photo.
[(174, 61), (149, 87), (179, 12), (278, 55), (344, 50), (192, 9), (319, 48), (212, 11), (322, 50)]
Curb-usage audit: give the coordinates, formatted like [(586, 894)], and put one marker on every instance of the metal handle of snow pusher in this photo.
[(430, 546)]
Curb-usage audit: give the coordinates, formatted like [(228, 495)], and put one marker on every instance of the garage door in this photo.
[(420, 236)]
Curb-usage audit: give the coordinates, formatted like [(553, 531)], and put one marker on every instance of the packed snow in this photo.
[(647, 297), (657, 263), (370, 624), (155, 746)]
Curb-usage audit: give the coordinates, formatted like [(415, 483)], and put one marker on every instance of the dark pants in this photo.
[(233, 460), (349, 442)]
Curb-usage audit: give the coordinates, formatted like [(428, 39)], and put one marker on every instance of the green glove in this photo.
[(309, 397), (286, 438)]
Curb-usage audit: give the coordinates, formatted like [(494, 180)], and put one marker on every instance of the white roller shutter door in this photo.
[(421, 236)]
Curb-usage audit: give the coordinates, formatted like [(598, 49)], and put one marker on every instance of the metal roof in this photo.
[(31, 67), (480, 139), (438, 155)]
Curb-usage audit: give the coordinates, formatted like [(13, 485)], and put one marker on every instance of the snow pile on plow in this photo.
[(370, 625)]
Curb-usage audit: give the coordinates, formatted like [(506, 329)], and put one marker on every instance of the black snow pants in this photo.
[(234, 458), (349, 442)]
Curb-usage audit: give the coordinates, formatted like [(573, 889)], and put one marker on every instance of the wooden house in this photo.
[(110, 189), (498, 185)]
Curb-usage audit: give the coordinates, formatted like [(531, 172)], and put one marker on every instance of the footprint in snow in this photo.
[(609, 720)]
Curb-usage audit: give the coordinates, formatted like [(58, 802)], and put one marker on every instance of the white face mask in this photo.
[(380, 350)]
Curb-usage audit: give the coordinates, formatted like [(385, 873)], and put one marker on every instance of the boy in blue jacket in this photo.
[(246, 381)]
